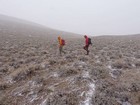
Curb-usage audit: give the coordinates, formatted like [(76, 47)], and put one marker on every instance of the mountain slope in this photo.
[(33, 73), (18, 27)]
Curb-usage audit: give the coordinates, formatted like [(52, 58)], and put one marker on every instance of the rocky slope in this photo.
[(33, 73)]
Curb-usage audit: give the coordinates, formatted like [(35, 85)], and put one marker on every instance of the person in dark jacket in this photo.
[(86, 44)]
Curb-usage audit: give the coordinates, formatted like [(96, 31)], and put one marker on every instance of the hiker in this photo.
[(61, 44), (87, 43)]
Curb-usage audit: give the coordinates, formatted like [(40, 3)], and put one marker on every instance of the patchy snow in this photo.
[(133, 65), (88, 95), (98, 61), (112, 75), (17, 92), (9, 80), (55, 74), (33, 98), (44, 102), (109, 66), (43, 65), (82, 93), (96, 56), (111, 72), (126, 103), (81, 64), (34, 84), (85, 74)]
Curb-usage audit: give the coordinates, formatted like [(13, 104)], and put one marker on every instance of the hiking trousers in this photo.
[(61, 50), (86, 48)]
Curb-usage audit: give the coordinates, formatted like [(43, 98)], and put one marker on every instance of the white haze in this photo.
[(93, 17)]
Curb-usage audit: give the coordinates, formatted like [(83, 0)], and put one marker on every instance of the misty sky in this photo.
[(93, 17)]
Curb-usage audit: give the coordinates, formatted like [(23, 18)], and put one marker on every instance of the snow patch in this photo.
[(133, 65), (81, 64), (44, 102), (96, 57), (17, 91), (98, 61), (55, 74), (34, 84), (85, 74), (112, 71), (9, 80), (33, 98), (43, 65), (88, 95), (109, 66), (126, 103), (82, 93)]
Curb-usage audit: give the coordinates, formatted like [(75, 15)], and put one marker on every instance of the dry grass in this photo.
[(31, 70)]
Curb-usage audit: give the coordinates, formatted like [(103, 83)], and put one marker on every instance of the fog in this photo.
[(93, 17)]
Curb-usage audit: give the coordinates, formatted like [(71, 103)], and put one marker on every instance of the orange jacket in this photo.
[(60, 41)]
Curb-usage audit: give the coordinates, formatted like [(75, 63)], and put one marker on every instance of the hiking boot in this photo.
[(87, 52)]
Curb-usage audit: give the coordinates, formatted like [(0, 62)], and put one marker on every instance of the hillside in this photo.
[(33, 73), (17, 27)]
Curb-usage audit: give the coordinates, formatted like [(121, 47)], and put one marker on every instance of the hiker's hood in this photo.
[(59, 37), (85, 36)]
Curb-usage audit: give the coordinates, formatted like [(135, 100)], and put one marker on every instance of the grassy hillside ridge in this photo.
[(14, 26), (33, 73)]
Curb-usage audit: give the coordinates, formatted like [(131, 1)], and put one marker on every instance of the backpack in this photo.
[(63, 42), (89, 41)]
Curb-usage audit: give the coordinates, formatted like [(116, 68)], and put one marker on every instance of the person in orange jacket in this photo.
[(61, 44), (86, 44)]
